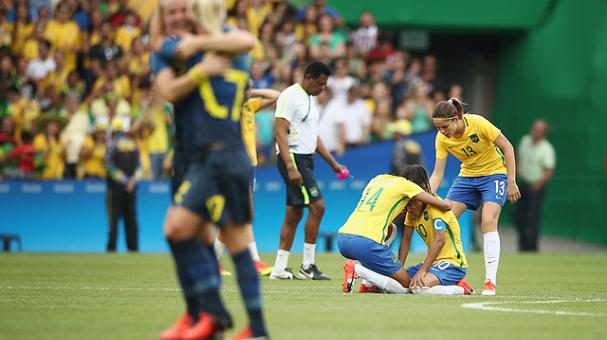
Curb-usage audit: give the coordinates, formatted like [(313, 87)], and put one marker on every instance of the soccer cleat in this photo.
[(177, 331), (207, 328), (468, 290), (488, 289), (312, 273), (247, 334), (262, 268), (224, 272), (372, 289), (287, 274), (349, 276)]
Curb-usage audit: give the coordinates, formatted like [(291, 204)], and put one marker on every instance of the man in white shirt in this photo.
[(341, 81), (535, 161), (332, 129), (296, 135), (39, 68), (365, 37), (358, 118)]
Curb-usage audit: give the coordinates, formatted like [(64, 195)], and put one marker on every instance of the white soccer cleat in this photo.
[(286, 274)]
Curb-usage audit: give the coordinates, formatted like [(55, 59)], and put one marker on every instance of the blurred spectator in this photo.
[(261, 79), (156, 118), (64, 34), (23, 111), (356, 63), (382, 119), (74, 134), (536, 161), (256, 14), (22, 29), (25, 158), (47, 143), (340, 81), (106, 50), (429, 75), (335, 41), (456, 91), (321, 8), (365, 37), (7, 144), (332, 129), (40, 67), (30, 45), (383, 50), (308, 26), (127, 32), (358, 118), (417, 109), (92, 154), (120, 14), (406, 151), (396, 76)]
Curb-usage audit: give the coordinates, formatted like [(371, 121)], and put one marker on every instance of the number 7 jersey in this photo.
[(384, 197), (476, 148), (211, 113)]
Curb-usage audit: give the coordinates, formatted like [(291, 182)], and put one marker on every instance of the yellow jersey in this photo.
[(53, 156), (247, 127), (433, 220), (383, 199), (476, 148), (94, 165)]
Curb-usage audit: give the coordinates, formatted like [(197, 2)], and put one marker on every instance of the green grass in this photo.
[(97, 296)]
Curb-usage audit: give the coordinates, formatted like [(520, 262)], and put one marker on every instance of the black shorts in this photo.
[(309, 191), (215, 185)]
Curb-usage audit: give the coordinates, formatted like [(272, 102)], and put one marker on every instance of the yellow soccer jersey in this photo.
[(383, 198), (476, 148), (432, 220), (247, 127)]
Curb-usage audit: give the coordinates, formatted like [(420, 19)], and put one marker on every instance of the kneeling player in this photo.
[(443, 270)]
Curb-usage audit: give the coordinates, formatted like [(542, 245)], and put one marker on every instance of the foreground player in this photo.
[(257, 99), (487, 175), (362, 237), (212, 171), (445, 265)]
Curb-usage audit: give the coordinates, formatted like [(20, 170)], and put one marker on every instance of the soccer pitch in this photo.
[(135, 296)]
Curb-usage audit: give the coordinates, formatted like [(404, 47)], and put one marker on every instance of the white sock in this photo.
[(385, 283), (308, 255), (491, 249), (366, 283), (253, 251), (219, 248), (282, 258), (440, 290)]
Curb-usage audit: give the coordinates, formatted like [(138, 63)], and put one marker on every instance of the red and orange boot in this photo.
[(349, 276), (468, 290), (177, 331)]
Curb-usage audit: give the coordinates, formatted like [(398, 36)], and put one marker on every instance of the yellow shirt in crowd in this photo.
[(247, 127), (53, 156), (94, 165)]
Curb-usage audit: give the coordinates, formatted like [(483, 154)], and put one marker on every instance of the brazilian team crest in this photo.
[(426, 216), (474, 138), (314, 192)]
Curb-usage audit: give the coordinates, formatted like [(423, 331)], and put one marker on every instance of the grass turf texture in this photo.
[(98, 296)]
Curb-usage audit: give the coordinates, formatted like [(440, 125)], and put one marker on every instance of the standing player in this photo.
[(257, 99), (363, 236), (487, 175), (211, 172), (296, 134)]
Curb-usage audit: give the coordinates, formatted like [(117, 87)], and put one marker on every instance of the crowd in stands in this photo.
[(72, 71)]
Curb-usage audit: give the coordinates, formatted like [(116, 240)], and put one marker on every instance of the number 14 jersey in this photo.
[(384, 197)]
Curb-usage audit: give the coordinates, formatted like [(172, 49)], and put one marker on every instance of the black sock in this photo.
[(185, 281), (248, 281)]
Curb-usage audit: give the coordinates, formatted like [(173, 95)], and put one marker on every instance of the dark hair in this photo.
[(45, 43), (418, 175), (448, 109), (316, 68), (27, 137)]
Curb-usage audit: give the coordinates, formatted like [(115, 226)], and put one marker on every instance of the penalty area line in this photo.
[(495, 307)]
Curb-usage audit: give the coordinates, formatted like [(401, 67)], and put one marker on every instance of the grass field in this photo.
[(97, 296)]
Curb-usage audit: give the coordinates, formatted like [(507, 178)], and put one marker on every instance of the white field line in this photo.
[(491, 306)]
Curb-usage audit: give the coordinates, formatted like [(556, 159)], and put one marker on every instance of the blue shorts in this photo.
[(472, 191), (448, 274), (372, 255)]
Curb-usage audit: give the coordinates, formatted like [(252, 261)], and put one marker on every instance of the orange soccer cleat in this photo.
[(177, 331), (372, 289), (208, 327), (262, 268), (468, 290), (349, 276), (247, 334), (488, 289)]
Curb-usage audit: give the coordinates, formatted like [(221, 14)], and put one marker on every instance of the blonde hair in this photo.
[(210, 15)]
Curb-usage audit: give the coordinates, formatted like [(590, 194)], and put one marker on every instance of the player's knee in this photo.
[(318, 208), (294, 215), (178, 231)]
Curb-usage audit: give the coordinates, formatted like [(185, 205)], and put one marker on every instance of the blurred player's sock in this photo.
[(491, 251), (253, 250), (308, 255), (385, 283), (282, 258), (248, 281), (219, 248), (207, 282), (179, 250), (441, 290)]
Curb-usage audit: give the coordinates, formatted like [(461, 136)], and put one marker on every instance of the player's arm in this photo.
[(438, 173), (233, 41), (268, 96), (508, 151), (435, 247), (405, 244), (156, 29), (433, 201), (281, 132), (326, 155), (172, 87)]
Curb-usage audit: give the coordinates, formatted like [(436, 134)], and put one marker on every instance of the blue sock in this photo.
[(207, 286), (248, 281), (185, 281)]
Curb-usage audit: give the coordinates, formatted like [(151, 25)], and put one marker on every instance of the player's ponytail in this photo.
[(418, 175), (210, 15), (448, 109)]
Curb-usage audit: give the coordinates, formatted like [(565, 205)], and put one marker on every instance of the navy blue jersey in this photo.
[(210, 114)]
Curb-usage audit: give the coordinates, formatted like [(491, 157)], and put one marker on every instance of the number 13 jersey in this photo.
[(476, 148)]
